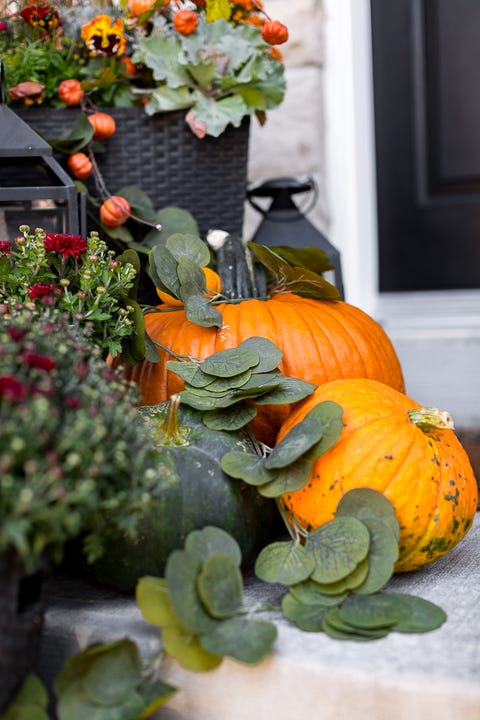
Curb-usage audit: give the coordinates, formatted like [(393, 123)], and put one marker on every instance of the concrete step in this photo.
[(431, 676)]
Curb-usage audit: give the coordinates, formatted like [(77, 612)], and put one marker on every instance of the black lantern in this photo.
[(34, 189), (284, 223)]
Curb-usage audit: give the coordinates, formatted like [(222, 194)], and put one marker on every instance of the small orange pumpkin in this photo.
[(103, 125), (137, 7), (115, 211), (391, 444), (321, 340), (185, 21), (80, 165), (70, 92), (274, 32), (213, 283)]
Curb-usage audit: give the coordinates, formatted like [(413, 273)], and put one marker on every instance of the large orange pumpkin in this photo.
[(388, 444), (321, 340)]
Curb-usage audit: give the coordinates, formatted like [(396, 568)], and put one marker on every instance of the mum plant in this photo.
[(216, 59), (72, 458), (92, 286)]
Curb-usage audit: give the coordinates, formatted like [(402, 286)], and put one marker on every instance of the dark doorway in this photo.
[(426, 64)]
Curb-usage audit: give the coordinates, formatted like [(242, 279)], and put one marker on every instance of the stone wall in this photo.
[(292, 140)]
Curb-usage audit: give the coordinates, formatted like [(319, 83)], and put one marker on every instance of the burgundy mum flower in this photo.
[(64, 244), (5, 246), (39, 362), (11, 388), (15, 333), (39, 290)]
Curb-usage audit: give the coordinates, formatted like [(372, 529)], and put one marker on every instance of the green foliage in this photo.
[(297, 271), (336, 573), (222, 71), (81, 278), (224, 385), (73, 457), (287, 466), (199, 605), (106, 681)]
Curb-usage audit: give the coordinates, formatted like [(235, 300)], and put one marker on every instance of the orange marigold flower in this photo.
[(274, 32), (104, 37), (185, 22)]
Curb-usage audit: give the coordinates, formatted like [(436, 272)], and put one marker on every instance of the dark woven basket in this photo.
[(162, 156), (22, 606)]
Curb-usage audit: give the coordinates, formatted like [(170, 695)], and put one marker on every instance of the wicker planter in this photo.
[(22, 605), (163, 157)]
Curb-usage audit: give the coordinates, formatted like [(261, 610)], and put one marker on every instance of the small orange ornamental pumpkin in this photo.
[(391, 444), (70, 92), (321, 340), (115, 211), (103, 125), (185, 21), (212, 281), (80, 165), (137, 7), (274, 32)]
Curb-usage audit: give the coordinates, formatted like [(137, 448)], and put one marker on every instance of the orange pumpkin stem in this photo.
[(430, 418)]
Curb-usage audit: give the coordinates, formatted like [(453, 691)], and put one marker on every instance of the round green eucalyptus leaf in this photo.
[(270, 355), (307, 616), (181, 572), (189, 372), (382, 555), (198, 309), (350, 582), (232, 418), (247, 467), (288, 390), (337, 547), (424, 615), (230, 383), (295, 444), (309, 592), (262, 382), (365, 503), (188, 246), (206, 392), (241, 638), (284, 562), (198, 402), (227, 363), (287, 479), (334, 622), (374, 611), (211, 540), (185, 647), (330, 416), (163, 270), (153, 600), (113, 675), (220, 586)]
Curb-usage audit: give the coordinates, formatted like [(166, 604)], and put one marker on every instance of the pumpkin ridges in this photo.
[(432, 540), (416, 482)]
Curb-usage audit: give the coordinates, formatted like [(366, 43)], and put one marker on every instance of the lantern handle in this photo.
[(2, 84)]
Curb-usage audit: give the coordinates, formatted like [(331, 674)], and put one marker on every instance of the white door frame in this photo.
[(436, 334)]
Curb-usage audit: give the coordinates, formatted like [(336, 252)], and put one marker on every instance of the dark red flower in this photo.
[(11, 388), (64, 244), (39, 362), (73, 403), (5, 246), (15, 333), (3, 26), (39, 290), (42, 16)]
